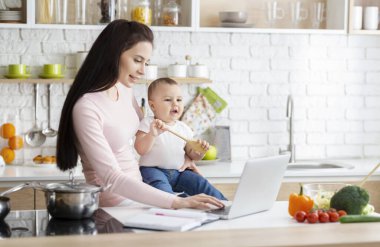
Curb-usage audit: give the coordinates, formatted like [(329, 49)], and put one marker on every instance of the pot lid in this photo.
[(72, 187)]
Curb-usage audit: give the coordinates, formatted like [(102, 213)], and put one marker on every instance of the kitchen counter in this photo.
[(270, 228), (218, 172)]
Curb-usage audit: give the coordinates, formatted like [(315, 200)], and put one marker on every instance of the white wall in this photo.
[(334, 79)]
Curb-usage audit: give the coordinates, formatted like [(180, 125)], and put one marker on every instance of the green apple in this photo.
[(211, 153)]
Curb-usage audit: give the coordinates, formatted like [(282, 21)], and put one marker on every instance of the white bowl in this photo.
[(233, 16)]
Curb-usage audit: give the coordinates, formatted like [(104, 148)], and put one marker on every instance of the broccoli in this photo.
[(351, 199)]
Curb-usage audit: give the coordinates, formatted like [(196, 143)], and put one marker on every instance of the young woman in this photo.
[(101, 116)]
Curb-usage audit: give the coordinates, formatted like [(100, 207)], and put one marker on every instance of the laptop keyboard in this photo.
[(220, 211)]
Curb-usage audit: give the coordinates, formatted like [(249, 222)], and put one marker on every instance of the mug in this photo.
[(177, 70), (371, 17), (357, 17), (18, 69), (53, 69), (151, 71)]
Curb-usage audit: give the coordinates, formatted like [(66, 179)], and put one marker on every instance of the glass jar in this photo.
[(107, 10), (12, 140), (45, 11), (142, 12), (171, 14)]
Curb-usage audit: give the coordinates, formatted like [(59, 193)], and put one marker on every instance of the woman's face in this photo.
[(132, 63)]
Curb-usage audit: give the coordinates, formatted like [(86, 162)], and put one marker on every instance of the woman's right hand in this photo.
[(200, 201)]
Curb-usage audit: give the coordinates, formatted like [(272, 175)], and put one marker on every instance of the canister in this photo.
[(177, 70)]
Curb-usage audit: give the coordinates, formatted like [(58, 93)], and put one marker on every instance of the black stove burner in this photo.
[(38, 223)]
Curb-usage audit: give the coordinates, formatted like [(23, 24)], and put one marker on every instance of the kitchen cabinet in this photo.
[(352, 13), (26, 199), (198, 15)]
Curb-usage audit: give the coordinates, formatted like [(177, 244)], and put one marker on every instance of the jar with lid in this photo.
[(171, 13), (142, 12)]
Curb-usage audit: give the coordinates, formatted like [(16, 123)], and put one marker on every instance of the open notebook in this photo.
[(168, 220)]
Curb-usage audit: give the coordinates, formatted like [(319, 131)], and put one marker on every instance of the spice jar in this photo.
[(171, 13), (142, 12)]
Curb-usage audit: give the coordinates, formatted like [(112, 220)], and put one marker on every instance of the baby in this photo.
[(166, 161)]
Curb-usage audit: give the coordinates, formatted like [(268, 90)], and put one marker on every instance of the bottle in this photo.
[(142, 12), (171, 14)]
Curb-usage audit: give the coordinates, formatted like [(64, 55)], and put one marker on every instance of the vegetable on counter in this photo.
[(359, 218), (352, 199), (299, 202)]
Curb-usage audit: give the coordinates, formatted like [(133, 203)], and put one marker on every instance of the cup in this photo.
[(298, 13), (274, 12), (371, 17), (357, 17), (53, 69), (319, 12), (18, 69), (151, 72)]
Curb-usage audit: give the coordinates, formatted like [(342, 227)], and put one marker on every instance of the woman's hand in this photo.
[(200, 201)]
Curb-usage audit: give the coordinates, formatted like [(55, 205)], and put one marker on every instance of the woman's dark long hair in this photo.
[(99, 72)]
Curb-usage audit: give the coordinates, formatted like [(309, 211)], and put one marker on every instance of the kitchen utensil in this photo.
[(5, 207), (35, 137), (369, 174), (233, 16), (71, 200), (191, 143), (48, 131), (5, 230)]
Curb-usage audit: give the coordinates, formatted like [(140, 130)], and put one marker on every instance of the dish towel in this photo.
[(203, 110)]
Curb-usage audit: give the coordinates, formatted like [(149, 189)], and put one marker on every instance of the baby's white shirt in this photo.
[(168, 150)]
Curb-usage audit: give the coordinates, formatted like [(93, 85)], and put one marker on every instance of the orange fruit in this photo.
[(8, 155), (7, 130), (16, 142)]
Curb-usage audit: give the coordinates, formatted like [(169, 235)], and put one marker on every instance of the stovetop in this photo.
[(37, 223)]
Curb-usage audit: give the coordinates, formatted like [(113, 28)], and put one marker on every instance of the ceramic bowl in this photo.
[(233, 16)]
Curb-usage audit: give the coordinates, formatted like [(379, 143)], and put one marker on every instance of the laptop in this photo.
[(258, 187)]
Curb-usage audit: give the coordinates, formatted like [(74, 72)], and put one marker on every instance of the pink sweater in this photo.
[(105, 130)]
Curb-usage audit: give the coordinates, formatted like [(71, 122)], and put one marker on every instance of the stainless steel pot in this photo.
[(71, 200)]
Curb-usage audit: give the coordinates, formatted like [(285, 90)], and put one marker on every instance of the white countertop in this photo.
[(218, 172)]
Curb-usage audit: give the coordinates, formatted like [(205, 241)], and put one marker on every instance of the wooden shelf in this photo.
[(188, 80)]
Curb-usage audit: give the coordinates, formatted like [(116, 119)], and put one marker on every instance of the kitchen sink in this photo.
[(310, 165)]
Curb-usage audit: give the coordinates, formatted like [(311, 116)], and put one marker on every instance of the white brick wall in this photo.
[(334, 79)]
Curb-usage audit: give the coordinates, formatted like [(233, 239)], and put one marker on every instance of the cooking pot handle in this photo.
[(37, 185), (14, 189)]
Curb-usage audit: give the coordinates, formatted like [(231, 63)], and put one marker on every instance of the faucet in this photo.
[(290, 115)]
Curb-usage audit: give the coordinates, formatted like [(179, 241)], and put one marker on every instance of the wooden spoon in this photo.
[(194, 145), (369, 174)]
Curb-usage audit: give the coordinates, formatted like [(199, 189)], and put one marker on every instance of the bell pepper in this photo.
[(299, 202)]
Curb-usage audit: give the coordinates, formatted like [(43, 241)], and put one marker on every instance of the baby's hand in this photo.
[(157, 127), (205, 145), (189, 164)]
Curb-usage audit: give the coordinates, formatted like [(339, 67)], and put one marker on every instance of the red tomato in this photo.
[(300, 216), (334, 217), (312, 217), (324, 217), (342, 213), (320, 211)]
